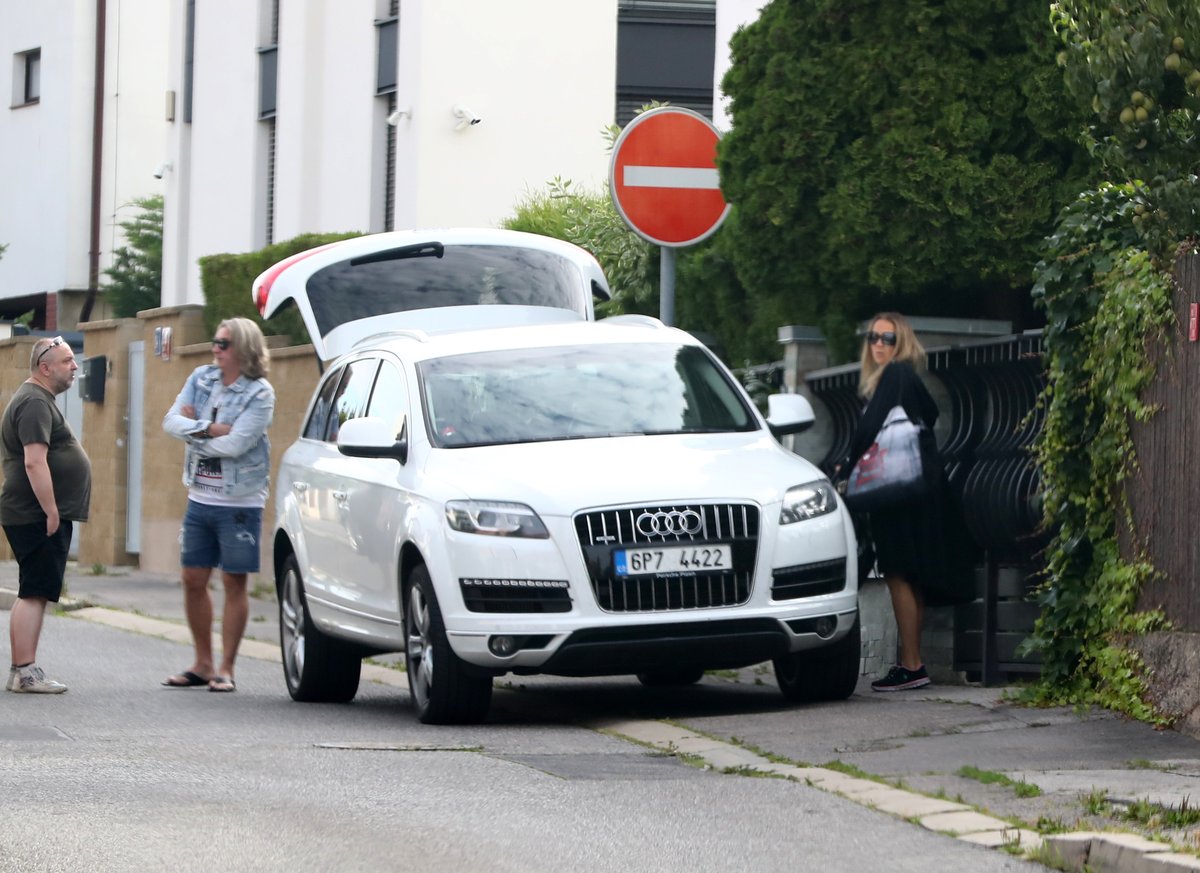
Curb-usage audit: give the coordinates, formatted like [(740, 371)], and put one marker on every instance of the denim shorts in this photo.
[(220, 536)]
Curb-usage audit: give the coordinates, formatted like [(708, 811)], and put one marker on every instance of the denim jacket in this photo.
[(248, 406)]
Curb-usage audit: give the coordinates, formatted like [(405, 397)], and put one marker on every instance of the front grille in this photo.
[(808, 580), (733, 525), (515, 595)]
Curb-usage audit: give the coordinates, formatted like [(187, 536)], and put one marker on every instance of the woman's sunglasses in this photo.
[(222, 344), (888, 338)]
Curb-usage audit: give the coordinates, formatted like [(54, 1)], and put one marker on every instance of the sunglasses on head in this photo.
[(222, 344), (888, 338), (57, 341)]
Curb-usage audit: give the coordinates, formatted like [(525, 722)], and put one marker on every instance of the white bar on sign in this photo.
[(671, 177)]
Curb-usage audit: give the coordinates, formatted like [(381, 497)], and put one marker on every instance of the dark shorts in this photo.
[(42, 559), (220, 536)]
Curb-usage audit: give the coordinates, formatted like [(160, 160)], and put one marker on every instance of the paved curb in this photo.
[(1096, 852), (1117, 853)]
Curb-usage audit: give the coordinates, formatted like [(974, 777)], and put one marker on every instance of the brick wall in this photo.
[(105, 438), (293, 374)]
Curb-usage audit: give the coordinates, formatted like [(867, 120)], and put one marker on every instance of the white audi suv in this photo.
[(512, 487)]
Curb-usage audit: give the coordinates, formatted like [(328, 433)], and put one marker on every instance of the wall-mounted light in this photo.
[(394, 118), (466, 118), (161, 169)]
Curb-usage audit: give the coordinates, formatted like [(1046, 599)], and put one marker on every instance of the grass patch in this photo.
[(990, 777), (1095, 802), (1156, 816)]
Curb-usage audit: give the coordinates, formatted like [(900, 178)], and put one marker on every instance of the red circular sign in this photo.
[(663, 177)]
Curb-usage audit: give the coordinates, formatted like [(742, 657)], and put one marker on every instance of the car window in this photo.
[(529, 395), (350, 400), (314, 428), (389, 400), (427, 277)]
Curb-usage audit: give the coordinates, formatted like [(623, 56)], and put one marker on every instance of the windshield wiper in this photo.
[(418, 250)]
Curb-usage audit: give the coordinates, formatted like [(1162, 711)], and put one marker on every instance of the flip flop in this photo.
[(220, 683), (186, 679)]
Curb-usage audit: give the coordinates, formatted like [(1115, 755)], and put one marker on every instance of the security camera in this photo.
[(465, 116), (161, 169)]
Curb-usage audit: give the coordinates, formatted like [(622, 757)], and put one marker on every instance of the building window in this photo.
[(388, 32), (665, 52), (27, 77), (387, 48), (269, 223), (268, 69), (389, 168)]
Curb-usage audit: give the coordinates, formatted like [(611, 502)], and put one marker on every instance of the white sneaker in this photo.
[(31, 680), (12, 679)]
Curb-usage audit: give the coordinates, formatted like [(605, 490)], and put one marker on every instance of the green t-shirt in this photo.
[(33, 417)]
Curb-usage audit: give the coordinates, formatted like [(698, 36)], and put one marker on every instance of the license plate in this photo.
[(672, 559)]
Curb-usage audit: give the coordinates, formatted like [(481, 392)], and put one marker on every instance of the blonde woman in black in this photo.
[(909, 544)]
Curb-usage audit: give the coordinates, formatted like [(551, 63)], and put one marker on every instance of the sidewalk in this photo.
[(953, 758)]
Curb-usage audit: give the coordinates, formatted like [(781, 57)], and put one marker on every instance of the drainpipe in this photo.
[(97, 163)]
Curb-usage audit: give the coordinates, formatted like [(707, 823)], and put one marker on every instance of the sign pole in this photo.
[(666, 285)]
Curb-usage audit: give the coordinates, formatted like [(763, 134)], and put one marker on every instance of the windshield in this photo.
[(530, 395), (432, 275)]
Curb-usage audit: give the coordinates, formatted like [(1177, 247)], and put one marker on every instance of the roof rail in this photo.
[(402, 333), (634, 319)]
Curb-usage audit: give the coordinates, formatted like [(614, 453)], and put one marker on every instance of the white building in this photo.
[(66, 189), (262, 119)]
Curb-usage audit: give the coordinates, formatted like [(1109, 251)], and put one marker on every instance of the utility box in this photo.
[(91, 378)]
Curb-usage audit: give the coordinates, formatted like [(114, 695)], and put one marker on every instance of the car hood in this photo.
[(562, 477)]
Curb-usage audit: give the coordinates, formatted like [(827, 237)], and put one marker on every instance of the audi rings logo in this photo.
[(674, 523)]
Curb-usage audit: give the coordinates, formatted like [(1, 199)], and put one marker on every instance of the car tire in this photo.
[(444, 690), (829, 673), (669, 677), (317, 667)]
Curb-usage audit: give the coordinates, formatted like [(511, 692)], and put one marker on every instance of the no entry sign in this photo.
[(663, 177)]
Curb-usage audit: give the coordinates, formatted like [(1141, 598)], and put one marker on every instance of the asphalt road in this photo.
[(121, 774)]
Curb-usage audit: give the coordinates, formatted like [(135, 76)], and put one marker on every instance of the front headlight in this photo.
[(495, 519), (808, 501)]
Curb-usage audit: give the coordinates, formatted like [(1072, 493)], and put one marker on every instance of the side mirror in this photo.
[(789, 413), (373, 438)]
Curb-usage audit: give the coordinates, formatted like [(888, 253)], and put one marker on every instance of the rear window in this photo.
[(431, 276)]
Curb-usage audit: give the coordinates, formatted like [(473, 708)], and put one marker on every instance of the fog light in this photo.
[(826, 625), (503, 647)]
